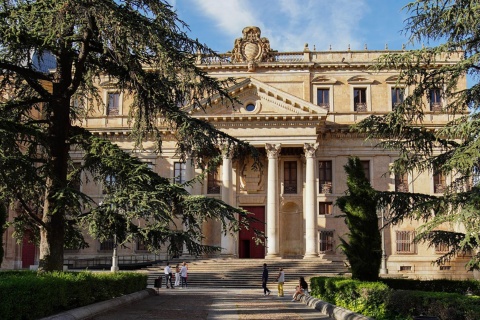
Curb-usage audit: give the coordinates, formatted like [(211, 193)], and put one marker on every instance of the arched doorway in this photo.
[(247, 248)]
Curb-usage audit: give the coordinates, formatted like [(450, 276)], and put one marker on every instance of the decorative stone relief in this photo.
[(251, 48), (251, 181)]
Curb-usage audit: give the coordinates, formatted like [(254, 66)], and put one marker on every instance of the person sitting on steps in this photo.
[(301, 289)]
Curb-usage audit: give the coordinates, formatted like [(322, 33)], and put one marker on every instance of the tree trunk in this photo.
[(52, 233)]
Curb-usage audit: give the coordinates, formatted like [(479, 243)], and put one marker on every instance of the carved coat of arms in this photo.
[(251, 48)]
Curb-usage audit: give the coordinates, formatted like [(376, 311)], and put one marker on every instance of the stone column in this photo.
[(227, 240), (189, 175), (273, 150), (310, 202)]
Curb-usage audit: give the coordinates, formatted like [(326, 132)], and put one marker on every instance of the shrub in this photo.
[(382, 302), (34, 295)]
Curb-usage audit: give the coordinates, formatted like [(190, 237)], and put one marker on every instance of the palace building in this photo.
[(296, 108)]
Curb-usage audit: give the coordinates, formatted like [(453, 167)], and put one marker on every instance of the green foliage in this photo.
[(363, 248), (367, 298), (452, 149), (382, 302), (138, 47), (439, 285), (34, 295)]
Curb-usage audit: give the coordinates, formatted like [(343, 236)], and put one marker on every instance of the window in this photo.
[(401, 182), (113, 104), (435, 100), (360, 99), (290, 177), (366, 168), (439, 184), (323, 97), (397, 97), (108, 183), (326, 241), (441, 248), (325, 208), (107, 245), (325, 176), (140, 245), (75, 176), (213, 183), (250, 107), (179, 172), (405, 241)]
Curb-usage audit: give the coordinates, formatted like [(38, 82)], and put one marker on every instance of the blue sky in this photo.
[(289, 24)]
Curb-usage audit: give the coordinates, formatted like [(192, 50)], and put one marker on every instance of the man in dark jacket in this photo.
[(264, 280)]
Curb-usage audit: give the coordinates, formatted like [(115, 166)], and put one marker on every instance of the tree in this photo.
[(52, 52), (363, 248), (454, 149), (3, 220)]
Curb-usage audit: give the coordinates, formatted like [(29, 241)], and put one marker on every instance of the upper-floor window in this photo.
[(439, 183), (325, 208), (326, 242), (360, 99), (404, 242), (323, 97), (435, 100), (325, 176), (397, 97), (366, 168), (108, 184), (179, 172), (213, 182), (290, 177), (113, 104), (401, 182)]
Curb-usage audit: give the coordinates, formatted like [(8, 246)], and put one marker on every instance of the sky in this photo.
[(289, 24)]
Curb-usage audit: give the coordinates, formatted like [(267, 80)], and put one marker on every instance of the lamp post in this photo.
[(114, 267), (383, 265)]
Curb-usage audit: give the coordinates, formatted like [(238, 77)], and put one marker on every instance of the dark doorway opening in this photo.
[(247, 246)]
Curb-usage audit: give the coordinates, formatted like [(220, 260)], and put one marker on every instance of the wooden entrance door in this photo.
[(28, 250), (247, 247)]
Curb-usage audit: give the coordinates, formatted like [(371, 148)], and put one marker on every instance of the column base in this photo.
[(310, 255)]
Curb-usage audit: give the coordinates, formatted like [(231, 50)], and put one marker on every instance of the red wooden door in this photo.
[(247, 247), (28, 250)]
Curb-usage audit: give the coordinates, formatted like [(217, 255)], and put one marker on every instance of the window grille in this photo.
[(405, 242), (326, 241)]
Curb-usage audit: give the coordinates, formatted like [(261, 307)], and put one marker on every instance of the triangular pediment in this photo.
[(261, 99)]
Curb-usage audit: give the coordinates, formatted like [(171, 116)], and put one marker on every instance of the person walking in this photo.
[(266, 291), (281, 281), (177, 275), (184, 274), (168, 275)]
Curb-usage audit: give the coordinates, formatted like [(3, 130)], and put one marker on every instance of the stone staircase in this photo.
[(247, 273)]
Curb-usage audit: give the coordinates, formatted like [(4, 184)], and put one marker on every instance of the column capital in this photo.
[(273, 150), (227, 153), (310, 149)]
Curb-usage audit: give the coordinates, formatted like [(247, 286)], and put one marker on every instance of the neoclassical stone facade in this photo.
[(296, 108)]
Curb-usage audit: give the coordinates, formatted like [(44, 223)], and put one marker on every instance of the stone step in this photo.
[(247, 273)]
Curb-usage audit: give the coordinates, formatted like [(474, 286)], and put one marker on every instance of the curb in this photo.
[(91, 310), (332, 310)]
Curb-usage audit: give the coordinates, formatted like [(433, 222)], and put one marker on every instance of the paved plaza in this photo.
[(225, 304)]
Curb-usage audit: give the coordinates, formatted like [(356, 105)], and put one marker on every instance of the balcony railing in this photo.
[(361, 107)]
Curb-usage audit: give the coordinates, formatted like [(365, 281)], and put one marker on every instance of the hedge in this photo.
[(31, 295), (384, 302)]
